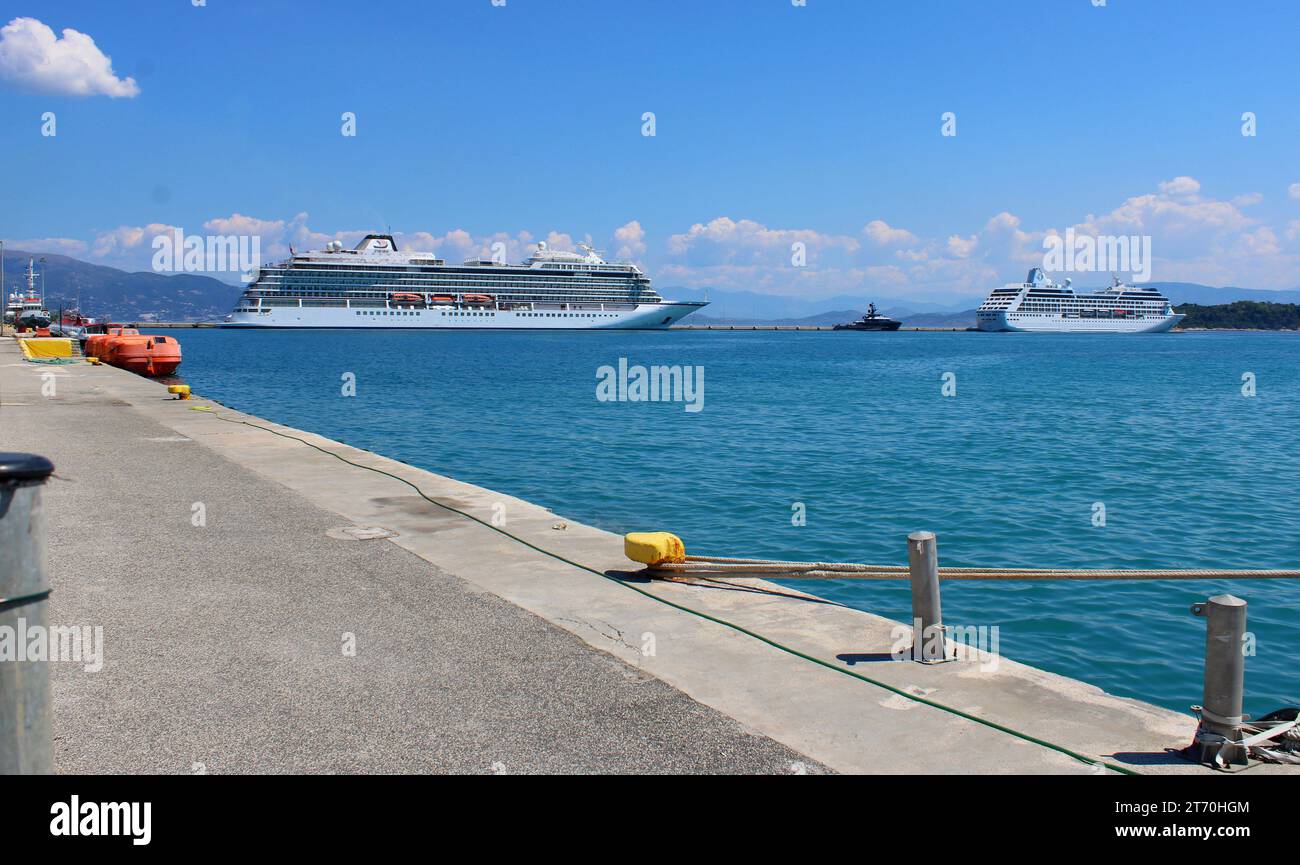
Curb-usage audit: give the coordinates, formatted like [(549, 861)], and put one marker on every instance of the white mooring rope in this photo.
[(719, 566)]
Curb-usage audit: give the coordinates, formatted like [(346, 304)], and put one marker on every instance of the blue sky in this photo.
[(775, 124)]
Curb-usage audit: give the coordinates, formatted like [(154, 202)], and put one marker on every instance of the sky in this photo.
[(775, 124)]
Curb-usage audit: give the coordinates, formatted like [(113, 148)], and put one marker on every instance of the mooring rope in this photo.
[(724, 567), (1280, 744)]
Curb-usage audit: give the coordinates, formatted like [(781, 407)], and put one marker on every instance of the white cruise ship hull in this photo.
[(1040, 323), (645, 316)]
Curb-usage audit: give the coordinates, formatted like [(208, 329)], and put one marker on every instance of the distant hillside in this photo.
[(750, 306), (825, 319), (1242, 315), (965, 318), (1190, 292), (107, 292)]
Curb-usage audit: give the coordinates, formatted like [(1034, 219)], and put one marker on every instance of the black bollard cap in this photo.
[(24, 467)]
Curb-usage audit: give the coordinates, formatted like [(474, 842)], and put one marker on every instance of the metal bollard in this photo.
[(1225, 679), (928, 642), (26, 747)]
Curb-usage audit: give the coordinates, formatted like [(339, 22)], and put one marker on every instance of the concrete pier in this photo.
[(226, 637)]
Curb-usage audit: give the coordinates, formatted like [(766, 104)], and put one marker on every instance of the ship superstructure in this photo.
[(377, 285)]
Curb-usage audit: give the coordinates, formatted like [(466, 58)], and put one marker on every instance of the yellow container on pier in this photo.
[(34, 347)]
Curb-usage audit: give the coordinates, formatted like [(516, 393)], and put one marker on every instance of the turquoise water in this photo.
[(855, 426)]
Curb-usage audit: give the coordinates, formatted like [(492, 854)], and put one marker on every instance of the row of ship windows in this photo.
[(439, 279), (485, 313), (518, 293), (335, 304), (1086, 314), (1097, 314), (1115, 304), (441, 268), (382, 293)]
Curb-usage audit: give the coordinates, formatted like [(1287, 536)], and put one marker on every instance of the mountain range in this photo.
[(107, 292), (116, 294)]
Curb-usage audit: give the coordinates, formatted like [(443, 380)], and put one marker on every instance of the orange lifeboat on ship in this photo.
[(144, 354), (476, 298), (406, 297)]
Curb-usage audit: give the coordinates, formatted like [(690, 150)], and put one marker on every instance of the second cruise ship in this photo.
[(376, 285), (1038, 304)]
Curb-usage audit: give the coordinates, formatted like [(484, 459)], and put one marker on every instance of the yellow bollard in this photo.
[(653, 548), (182, 391)]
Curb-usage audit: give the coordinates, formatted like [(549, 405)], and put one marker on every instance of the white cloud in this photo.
[(561, 240), (56, 245), (881, 233), (1182, 225), (129, 246), (962, 247), (1294, 190), (32, 57), (727, 240), (237, 223), (1197, 238), (1180, 187), (630, 239)]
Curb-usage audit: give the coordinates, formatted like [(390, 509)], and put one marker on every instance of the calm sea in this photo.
[(853, 430)]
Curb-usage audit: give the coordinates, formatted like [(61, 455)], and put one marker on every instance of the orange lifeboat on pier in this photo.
[(144, 354), (97, 343), (127, 348)]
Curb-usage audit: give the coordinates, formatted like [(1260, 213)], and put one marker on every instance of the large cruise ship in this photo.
[(1038, 304), (375, 285)]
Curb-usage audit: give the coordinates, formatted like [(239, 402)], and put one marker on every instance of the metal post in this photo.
[(1225, 677), (26, 747), (928, 643)]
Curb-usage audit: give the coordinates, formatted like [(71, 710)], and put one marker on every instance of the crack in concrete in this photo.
[(616, 636)]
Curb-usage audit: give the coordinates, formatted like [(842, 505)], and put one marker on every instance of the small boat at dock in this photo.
[(26, 311)]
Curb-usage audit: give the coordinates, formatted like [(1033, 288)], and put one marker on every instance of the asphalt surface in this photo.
[(224, 643)]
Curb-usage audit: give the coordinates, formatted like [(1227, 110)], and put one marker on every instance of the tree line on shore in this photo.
[(1241, 315)]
